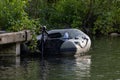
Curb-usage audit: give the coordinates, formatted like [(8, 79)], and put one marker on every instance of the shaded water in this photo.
[(102, 63)]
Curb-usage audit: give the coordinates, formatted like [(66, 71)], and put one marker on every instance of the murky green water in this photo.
[(102, 63)]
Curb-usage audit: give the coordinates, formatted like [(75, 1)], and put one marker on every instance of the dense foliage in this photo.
[(12, 15), (92, 16)]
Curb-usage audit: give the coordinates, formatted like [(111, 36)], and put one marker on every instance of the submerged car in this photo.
[(65, 41)]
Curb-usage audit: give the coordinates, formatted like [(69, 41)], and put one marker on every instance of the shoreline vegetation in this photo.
[(94, 17), (91, 16)]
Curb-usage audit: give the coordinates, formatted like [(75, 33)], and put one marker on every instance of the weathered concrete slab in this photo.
[(14, 37)]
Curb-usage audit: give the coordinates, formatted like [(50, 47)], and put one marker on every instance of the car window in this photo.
[(54, 35), (74, 33)]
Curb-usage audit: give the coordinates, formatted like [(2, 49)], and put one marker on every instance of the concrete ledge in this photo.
[(14, 37)]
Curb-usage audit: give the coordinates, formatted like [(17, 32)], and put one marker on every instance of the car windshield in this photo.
[(55, 35)]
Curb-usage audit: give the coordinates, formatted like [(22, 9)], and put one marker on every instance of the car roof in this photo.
[(63, 30)]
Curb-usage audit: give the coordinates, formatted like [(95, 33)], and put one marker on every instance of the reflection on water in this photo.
[(52, 68), (6, 61), (8, 66), (12, 68), (83, 66), (102, 63), (68, 68)]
